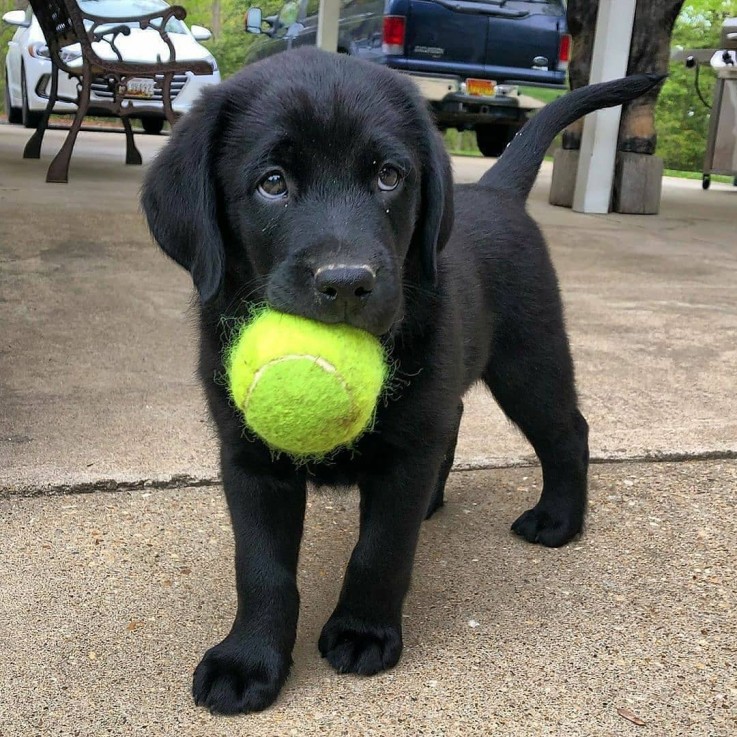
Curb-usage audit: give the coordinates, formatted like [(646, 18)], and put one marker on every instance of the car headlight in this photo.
[(67, 55), (210, 59), (41, 51)]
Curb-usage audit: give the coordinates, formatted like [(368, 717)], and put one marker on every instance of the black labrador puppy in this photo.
[(318, 184)]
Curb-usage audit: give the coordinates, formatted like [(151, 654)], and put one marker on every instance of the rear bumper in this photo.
[(436, 87), (502, 74), (451, 104), (459, 109)]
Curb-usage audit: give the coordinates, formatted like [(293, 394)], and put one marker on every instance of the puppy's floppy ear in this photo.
[(179, 200), (435, 219)]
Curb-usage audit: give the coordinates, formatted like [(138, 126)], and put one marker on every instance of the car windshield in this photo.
[(127, 8)]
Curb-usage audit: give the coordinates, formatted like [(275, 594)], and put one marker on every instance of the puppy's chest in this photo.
[(336, 475), (347, 467)]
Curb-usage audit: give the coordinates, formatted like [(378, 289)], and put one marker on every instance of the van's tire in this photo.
[(493, 139), (152, 126)]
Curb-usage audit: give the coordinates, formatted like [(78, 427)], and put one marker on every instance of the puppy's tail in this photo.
[(517, 167)]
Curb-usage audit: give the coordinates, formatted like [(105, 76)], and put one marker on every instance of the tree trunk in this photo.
[(217, 22), (650, 52)]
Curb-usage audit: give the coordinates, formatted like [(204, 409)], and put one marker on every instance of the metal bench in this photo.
[(64, 23)]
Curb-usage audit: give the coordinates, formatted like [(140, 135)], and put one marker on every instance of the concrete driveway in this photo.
[(107, 599)]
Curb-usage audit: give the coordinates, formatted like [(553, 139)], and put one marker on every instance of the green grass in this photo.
[(459, 143), (454, 152), (696, 175), (464, 144), (542, 93)]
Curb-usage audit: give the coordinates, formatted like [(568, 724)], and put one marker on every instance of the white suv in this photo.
[(28, 66)]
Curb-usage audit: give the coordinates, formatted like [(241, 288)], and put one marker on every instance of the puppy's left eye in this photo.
[(389, 178), (273, 186)]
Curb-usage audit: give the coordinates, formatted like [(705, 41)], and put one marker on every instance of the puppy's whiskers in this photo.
[(415, 290), (244, 293)]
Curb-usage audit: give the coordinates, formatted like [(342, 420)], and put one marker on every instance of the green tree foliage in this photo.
[(6, 33), (230, 42), (682, 119)]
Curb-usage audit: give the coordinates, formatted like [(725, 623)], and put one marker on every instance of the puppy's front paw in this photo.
[(549, 527), (236, 677), (352, 645)]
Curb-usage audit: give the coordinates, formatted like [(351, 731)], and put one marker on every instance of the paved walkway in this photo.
[(107, 599)]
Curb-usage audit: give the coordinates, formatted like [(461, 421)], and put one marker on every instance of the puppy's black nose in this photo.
[(346, 284)]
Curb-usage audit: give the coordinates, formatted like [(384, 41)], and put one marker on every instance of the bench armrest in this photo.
[(114, 26)]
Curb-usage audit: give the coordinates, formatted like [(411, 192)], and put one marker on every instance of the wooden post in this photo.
[(638, 182)]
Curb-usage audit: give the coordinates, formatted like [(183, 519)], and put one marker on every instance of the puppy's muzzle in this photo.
[(344, 286)]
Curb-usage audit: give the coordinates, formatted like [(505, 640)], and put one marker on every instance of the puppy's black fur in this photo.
[(309, 160)]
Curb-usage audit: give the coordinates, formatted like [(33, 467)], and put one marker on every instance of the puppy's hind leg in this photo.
[(438, 496), (532, 380)]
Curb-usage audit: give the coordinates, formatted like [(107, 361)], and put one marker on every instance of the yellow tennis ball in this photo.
[(305, 387)]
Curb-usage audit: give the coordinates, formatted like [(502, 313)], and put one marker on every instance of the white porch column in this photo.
[(599, 140), (327, 25)]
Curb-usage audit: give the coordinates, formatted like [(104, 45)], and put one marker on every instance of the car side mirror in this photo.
[(200, 33), (254, 21), (16, 18), (294, 30)]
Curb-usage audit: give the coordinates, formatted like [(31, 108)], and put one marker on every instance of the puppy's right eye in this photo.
[(273, 186)]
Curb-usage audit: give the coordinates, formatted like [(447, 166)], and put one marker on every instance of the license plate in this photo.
[(480, 87), (142, 89)]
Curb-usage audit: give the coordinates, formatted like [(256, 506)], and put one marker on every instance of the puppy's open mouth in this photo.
[(378, 328), (355, 294)]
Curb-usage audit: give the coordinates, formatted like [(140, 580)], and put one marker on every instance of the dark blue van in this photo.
[(469, 57)]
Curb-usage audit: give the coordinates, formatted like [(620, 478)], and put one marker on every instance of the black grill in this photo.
[(102, 88)]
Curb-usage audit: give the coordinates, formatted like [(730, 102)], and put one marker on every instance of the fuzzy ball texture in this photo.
[(304, 387)]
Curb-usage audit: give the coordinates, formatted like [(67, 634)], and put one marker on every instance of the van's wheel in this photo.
[(152, 126), (706, 181), (29, 118), (493, 139), (14, 114)]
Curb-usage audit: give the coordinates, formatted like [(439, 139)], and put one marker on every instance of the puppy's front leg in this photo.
[(246, 671), (364, 633)]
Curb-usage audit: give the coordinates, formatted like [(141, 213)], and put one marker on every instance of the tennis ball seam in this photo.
[(317, 360), (330, 371)]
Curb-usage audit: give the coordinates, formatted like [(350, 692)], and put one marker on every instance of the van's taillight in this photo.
[(393, 36), (564, 52)]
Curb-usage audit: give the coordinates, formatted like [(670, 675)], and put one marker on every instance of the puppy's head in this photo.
[(312, 181)]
